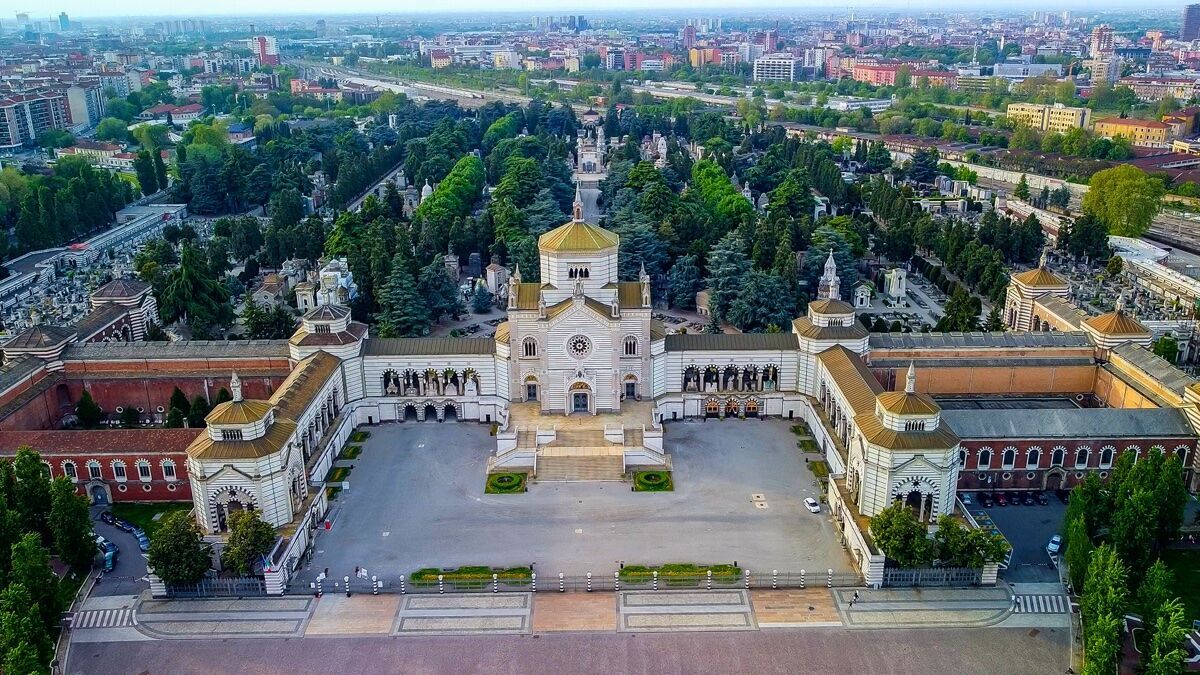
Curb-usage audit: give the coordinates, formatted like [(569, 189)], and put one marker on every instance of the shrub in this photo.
[(652, 481), (801, 430), (360, 436), (337, 474), (808, 445), (476, 576), (819, 468), (682, 572), (351, 452), (505, 483)]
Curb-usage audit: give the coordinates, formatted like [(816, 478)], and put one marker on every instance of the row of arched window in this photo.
[(118, 470), (529, 346), (1058, 456)]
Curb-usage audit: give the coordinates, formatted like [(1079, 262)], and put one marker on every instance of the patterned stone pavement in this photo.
[(225, 617), (563, 612), (661, 611), (795, 608), (464, 614)]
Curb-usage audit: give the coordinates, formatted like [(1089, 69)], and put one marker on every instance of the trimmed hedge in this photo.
[(653, 481), (683, 573), (351, 451), (470, 576), (360, 436), (808, 445), (337, 474), (801, 430), (504, 483)]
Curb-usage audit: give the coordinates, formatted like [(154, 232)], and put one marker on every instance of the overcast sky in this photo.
[(86, 8)]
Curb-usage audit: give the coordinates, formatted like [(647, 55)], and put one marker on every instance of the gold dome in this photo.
[(577, 237)]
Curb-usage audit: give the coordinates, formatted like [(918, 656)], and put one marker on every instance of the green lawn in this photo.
[(1185, 565), (142, 515)]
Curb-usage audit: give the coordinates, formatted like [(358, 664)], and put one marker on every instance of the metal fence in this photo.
[(562, 583), (219, 587), (896, 577)]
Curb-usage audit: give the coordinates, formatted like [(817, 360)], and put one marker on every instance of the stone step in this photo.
[(526, 438), (578, 438), (568, 469), (633, 437)]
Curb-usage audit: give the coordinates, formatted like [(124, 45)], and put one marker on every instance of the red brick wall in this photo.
[(135, 489), (971, 477)]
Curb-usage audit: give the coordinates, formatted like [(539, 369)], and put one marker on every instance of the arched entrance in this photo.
[(752, 408), (579, 398), (1054, 479), (449, 413), (712, 408), (99, 494), (431, 413), (731, 408), (409, 414), (229, 502)]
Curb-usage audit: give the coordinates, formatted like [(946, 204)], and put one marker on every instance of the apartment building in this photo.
[(24, 116), (775, 68), (1141, 133), (1055, 118)]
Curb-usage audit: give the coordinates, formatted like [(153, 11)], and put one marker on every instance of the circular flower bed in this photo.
[(652, 481), (505, 483)]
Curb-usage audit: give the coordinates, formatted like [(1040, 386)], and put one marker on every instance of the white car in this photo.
[(1055, 545), (812, 505)]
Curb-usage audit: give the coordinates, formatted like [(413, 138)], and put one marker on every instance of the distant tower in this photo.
[(577, 208), (830, 285), (1191, 23)]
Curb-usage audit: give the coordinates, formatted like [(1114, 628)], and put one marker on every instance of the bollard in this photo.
[(347, 580), (402, 591), (589, 582), (495, 583), (561, 586), (747, 579), (801, 578), (655, 573), (710, 580), (617, 581), (318, 587), (774, 579), (441, 585), (533, 581), (830, 583), (374, 585)]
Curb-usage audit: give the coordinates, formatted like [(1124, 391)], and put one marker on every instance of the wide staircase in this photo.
[(569, 468)]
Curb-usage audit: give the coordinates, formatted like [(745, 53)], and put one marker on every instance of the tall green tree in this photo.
[(32, 490), (250, 538), (1170, 632), (1124, 198), (403, 312), (70, 525), (31, 569), (88, 412), (143, 165), (901, 537), (25, 645), (177, 553)]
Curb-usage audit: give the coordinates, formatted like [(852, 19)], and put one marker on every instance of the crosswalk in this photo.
[(1044, 603), (104, 618)]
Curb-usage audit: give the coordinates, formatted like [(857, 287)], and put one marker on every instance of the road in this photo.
[(982, 651), (128, 576)]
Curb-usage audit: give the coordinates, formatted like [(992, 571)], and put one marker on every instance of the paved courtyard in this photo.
[(416, 500)]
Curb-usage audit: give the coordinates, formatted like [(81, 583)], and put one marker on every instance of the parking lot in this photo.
[(416, 500), (1028, 529)]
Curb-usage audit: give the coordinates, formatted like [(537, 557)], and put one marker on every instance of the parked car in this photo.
[(1001, 499), (109, 550), (107, 517), (142, 540), (1055, 545), (124, 525), (965, 497), (812, 505), (1042, 498), (985, 499), (1027, 499), (1064, 496), (1014, 498)]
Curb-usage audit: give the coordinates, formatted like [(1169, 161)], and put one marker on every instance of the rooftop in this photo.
[(577, 237), (1012, 340), (1099, 423), (702, 342), (185, 349), (432, 346)]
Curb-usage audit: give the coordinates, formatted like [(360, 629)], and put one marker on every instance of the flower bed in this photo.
[(337, 474), (652, 481), (351, 451), (820, 469), (360, 436), (681, 574), (470, 576), (505, 483), (808, 445)]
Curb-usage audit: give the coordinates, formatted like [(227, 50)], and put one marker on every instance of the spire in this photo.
[(516, 275), (642, 275), (830, 285), (910, 386), (235, 386), (577, 209)]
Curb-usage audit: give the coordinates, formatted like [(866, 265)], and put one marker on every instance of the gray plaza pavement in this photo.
[(971, 651), (416, 500)]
